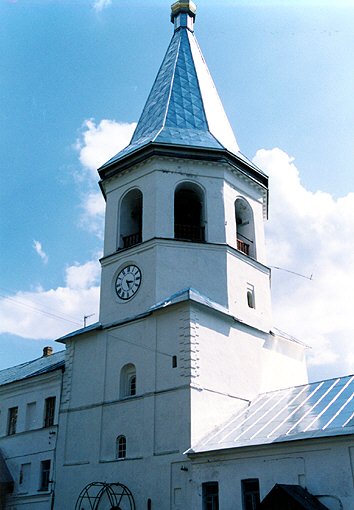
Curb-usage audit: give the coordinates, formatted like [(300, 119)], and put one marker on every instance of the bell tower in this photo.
[(185, 208), (185, 336)]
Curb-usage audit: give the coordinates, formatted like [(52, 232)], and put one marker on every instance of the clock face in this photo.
[(128, 282)]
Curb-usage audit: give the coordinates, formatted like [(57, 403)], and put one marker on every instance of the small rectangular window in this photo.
[(174, 361), (49, 411), (31, 415), (210, 491), (45, 472), (250, 494), (12, 421), (24, 477)]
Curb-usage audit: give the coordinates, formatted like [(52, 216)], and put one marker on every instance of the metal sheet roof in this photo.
[(318, 409), (183, 107), (31, 368)]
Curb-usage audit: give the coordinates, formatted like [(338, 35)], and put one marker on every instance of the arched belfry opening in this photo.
[(189, 212), (245, 228), (131, 219)]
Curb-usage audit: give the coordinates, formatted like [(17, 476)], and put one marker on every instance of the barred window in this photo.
[(49, 411), (45, 472), (12, 421)]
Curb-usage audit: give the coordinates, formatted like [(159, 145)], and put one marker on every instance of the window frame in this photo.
[(132, 385), (24, 477), (12, 421), (121, 447), (45, 468), (30, 418), (128, 381), (251, 297), (252, 492), (210, 490), (49, 412)]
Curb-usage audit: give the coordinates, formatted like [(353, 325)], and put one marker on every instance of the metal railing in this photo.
[(193, 233), (242, 246), (131, 239)]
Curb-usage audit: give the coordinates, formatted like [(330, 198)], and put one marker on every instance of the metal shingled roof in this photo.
[(323, 408), (31, 368), (183, 107)]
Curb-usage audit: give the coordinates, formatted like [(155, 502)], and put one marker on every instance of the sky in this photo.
[(74, 77)]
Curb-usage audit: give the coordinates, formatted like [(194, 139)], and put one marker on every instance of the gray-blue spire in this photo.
[(183, 107)]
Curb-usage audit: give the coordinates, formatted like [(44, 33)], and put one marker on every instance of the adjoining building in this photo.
[(184, 395), (29, 409)]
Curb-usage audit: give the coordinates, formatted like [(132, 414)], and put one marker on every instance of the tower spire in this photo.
[(183, 108), (183, 14)]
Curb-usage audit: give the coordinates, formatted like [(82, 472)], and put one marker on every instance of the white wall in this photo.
[(167, 266), (156, 421), (322, 466), (220, 363), (32, 443)]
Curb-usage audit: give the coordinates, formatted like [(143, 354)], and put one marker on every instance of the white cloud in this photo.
[(96, 145), (311, 233), (38, 248), (93, 209), (100, 142), (99, 5), (82, 276), (48, 314)]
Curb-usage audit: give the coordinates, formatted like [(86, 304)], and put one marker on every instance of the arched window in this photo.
[(245, 227), (131, 219), (250, 296), (121, 446), (128, 381), (189, 212)]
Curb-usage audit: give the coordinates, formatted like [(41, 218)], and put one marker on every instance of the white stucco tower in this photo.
[(185, 331), (183, 204), (185, 223)]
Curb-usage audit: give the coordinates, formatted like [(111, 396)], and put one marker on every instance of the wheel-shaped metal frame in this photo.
[(91, 495)]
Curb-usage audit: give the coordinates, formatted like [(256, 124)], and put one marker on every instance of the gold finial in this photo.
[(188, 8)]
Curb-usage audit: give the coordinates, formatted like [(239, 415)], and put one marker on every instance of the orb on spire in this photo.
[(183, 14)]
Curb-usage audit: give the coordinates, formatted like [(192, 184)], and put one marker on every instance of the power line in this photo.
[(55, 316), (39, 310), (141, 346), (292, 272)]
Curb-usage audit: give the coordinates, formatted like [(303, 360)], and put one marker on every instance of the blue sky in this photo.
[(75, 76)]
